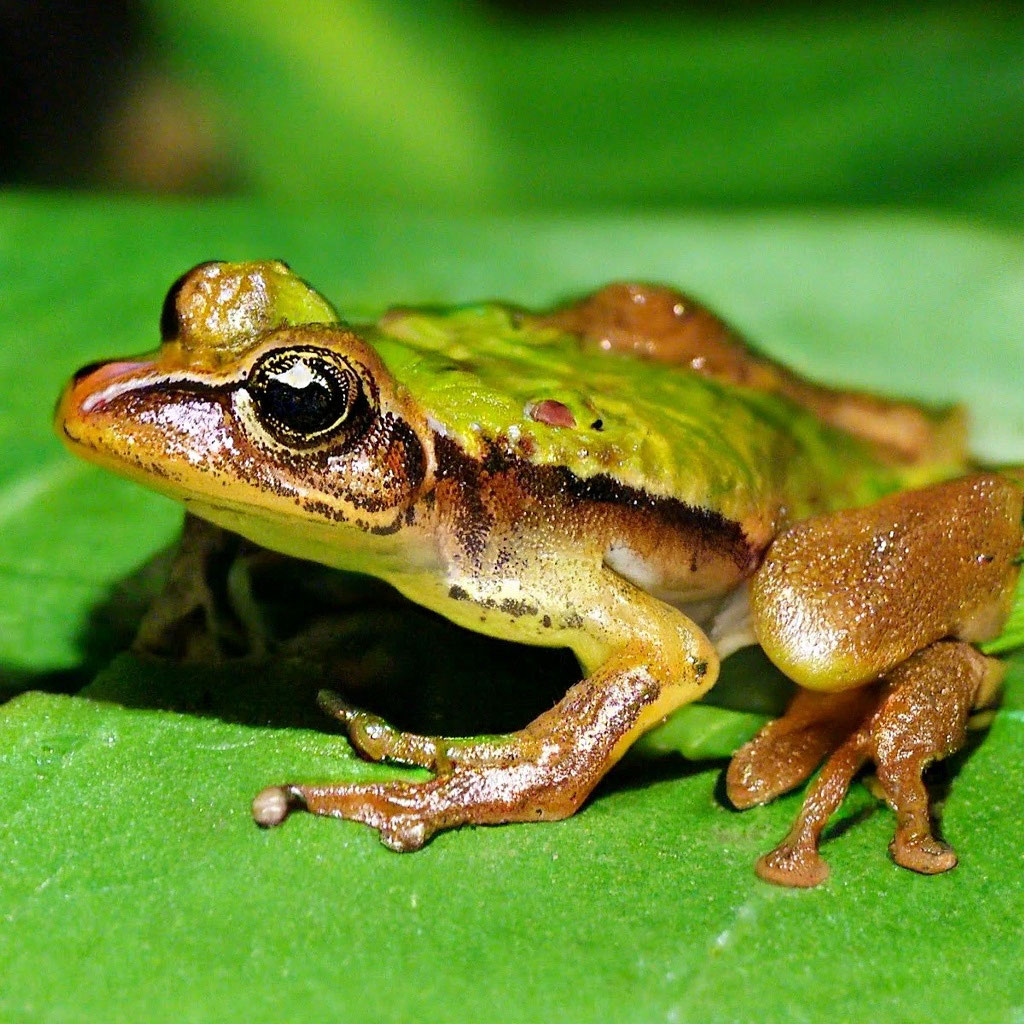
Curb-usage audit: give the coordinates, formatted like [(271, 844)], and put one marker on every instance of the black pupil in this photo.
[(303, 395)]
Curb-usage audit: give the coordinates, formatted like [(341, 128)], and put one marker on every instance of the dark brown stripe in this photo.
[(710, 530)]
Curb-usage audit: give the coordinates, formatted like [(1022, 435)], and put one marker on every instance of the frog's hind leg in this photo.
[(844, 600), (923, 718), (647, 658), (920, 717), (787, 750)]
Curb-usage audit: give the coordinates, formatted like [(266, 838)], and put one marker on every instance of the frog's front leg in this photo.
[(645, 660), (847, 599), (206, 610)]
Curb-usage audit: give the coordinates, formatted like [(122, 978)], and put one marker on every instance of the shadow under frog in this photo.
[(260, 665)]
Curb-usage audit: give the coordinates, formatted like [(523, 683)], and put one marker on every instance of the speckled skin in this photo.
[(603, 477)]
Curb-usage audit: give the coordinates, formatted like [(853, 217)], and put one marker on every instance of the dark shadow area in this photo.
[(357, 636), (324, 629), (639, 771), (354, 635), (64, 66)]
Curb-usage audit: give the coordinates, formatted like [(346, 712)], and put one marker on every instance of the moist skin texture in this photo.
[(611, 476)]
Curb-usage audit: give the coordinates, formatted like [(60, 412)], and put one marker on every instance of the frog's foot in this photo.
[(655, 661), (407, 814), (785, 752), (921, 717), (376, 740), (545, 771)]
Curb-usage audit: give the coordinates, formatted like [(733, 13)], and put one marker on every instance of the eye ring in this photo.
[(304, 396)]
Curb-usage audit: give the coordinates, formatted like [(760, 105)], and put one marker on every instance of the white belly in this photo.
[(726, 619)]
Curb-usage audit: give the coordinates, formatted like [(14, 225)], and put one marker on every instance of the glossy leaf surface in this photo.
[(134, 885)]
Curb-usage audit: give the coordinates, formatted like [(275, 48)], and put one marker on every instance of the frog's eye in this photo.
[(302, 396)]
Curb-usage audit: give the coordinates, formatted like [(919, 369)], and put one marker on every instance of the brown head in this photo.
[(259, 410)]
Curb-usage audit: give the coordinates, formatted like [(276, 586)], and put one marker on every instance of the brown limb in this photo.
[(921, 718), (785, 752), (542, 772)]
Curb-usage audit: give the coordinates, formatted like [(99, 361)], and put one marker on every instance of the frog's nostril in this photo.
[(87, 371)]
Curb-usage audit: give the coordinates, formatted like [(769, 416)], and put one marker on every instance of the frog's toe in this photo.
[(273, 804), (373, 738), (370, 735), (793, 864), (404, 833), (923, 854)]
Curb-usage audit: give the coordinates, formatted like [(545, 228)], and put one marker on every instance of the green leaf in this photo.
[(1012, 636), (435, 103), (135, 886)]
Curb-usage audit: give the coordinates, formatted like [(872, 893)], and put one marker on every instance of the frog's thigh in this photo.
[(842, 599), (648, 659), (921, 716)]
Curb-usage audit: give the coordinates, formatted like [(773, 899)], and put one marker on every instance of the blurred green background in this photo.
[(514, 105), (844, 181)]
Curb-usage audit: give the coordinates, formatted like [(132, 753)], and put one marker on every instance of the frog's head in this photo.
[(259, 408)]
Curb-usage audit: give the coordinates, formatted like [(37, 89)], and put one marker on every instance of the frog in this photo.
[(623, 475)]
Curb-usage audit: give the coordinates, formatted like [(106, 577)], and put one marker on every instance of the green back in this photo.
[(476, 371)]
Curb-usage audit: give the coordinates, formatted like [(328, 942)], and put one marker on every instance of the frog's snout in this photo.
[(90, 389), (95, 384)]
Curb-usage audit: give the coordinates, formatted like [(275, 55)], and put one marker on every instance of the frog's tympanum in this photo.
[(622, 476)]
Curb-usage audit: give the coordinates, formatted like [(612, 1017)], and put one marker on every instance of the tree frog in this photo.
[(622, 475)]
